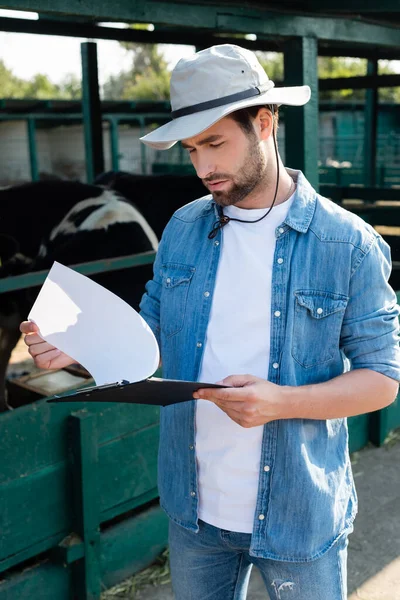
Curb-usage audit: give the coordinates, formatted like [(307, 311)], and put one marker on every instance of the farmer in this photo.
[(283, 296)]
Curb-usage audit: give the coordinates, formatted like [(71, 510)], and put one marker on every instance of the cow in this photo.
[(73, 222), (156, 196), (100, 226)]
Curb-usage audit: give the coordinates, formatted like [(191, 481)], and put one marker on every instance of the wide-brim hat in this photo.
[(213, 83)]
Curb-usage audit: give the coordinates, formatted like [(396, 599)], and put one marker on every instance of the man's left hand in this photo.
[(249, 401)]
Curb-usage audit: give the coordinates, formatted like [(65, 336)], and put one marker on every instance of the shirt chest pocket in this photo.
[(317, 323), (176, 280)]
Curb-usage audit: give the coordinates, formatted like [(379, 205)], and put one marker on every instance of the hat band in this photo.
[(189, 110)]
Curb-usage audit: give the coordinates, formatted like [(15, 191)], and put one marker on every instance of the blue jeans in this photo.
[(215, 564)]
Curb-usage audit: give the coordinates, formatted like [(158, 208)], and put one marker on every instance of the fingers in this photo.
[(222, 394), (40, 347), (48, 360), (28, 327), (31, 339), (239, 380)]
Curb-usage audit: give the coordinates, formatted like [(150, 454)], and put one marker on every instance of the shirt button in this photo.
[(261, 517), (277, 313), (193, 494), (199, 344), (281, 230), (168, 279), (216, 243), (266, 468), (206, 294), (276, 365), (320, 311), (191, 447), (280, 261)]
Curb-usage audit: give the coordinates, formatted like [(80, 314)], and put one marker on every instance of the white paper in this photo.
[(95, 327)]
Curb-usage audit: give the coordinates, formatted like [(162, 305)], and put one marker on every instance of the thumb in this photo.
[(28, 327), (238, 380)]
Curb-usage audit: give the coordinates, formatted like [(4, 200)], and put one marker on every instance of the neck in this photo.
[(263, 194)]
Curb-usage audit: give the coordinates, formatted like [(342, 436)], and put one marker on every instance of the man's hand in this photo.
[(250, 401), (45, 355)]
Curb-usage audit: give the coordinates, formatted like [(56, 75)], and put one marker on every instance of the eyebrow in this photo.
[(207, 140)]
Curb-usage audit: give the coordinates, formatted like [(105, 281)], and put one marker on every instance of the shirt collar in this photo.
[(302, 210)]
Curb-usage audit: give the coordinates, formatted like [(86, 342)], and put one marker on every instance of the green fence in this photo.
[(68, 478)]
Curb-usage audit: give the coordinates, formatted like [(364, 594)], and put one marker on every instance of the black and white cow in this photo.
[(72, 222), (156, 196), (100, 225)]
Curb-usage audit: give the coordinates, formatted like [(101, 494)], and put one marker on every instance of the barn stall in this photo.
[(79, 495)]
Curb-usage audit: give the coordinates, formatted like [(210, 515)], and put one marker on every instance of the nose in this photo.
[(203, 165)]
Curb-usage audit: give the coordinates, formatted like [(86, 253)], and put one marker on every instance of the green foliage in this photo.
[(147, 79), (39, 86)]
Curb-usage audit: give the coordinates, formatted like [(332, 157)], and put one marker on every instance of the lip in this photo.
[(216, 185)]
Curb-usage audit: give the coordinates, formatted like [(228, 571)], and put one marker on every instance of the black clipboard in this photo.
[(155, 391)]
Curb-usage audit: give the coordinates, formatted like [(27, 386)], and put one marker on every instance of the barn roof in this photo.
[(353, 27)]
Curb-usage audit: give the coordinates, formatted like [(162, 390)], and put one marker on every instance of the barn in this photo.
[(59, 535)]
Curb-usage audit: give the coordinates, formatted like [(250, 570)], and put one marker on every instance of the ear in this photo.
[(265, 123)]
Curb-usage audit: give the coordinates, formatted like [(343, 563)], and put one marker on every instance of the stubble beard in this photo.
[(251, 175)]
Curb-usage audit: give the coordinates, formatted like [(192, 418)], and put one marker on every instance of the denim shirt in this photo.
[(338, 312)]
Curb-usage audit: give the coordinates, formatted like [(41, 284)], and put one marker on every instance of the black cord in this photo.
[(224, 219)]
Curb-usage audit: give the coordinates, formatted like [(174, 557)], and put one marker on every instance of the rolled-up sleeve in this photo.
[(370, 332)]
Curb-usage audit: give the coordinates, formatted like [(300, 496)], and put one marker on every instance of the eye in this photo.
[(190, 150), (216, 145)]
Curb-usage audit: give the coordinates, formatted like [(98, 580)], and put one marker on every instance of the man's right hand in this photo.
[(45, 355)]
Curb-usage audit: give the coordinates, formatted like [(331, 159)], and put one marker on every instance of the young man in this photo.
[(283, 296)]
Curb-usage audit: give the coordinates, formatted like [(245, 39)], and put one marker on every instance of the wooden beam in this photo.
[(360, 82), (179, 36), (83, 448), (354, 7), (301, 122), (91, 108), (184, 36), (371, 127), (31, 129), (231, 18)]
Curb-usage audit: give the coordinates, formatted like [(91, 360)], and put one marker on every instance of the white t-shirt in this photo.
[(237, 342)]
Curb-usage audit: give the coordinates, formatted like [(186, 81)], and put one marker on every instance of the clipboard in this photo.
[(154, 391)]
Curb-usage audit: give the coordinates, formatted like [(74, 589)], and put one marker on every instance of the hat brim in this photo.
[(167, 135)]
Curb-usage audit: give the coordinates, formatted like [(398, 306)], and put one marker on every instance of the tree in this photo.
[(39, 86), (70, 87), (147, 79)]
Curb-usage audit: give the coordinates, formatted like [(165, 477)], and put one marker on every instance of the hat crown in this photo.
[(215, 73)]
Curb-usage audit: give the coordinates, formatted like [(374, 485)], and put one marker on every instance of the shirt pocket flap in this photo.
[(176, 274), (321, 304)]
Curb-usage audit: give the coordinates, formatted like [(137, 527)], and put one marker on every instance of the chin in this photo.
[(221, 199)]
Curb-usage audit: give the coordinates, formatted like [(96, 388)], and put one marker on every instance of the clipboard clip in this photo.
[(117, 384)]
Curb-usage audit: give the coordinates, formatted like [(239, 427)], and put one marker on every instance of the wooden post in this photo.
[(371, 126), (31, 128), (301, 123), (114, 143), (84, 458), (91, 108)]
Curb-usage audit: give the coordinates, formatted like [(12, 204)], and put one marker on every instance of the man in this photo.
[(279, 294)]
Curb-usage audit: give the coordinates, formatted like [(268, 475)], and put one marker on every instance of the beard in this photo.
[(251, 174)]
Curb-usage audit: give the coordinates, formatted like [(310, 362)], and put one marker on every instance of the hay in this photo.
[(155, 575)]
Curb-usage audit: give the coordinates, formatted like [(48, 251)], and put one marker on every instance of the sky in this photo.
[(56, 56)]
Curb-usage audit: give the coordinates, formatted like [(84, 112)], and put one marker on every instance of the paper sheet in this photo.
[(95, 327)]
